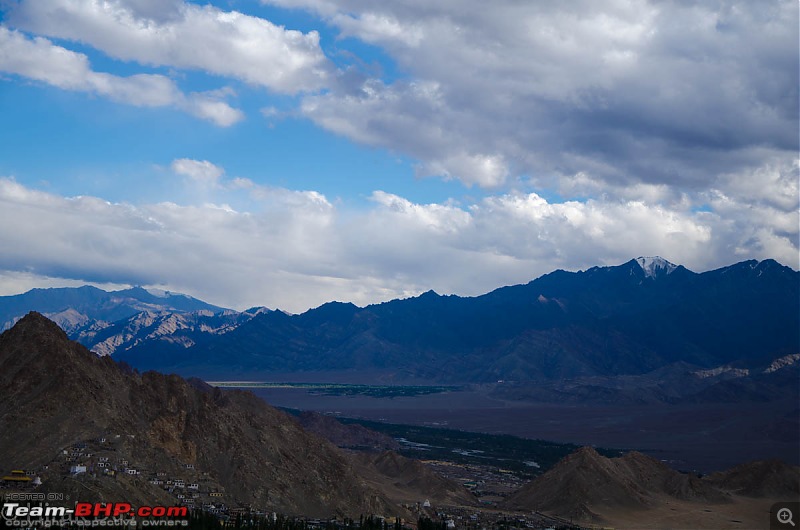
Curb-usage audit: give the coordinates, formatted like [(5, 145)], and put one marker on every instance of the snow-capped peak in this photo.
[(655, 266)]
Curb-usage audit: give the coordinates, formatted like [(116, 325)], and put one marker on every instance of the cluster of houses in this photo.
[(192, 493), (489, 484), (100, 457)]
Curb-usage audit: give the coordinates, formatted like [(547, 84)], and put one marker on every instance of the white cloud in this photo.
[(184, 35), (487, 171), (297, 250), (41, 60), (378, 28), (200, 171), (432, 218), (775, 184), (212, 108)]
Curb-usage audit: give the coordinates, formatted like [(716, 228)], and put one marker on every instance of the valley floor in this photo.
[(697, 437)]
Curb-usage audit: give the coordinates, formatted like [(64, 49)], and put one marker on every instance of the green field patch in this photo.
[(502, 451), (523, 457), (343, 389)]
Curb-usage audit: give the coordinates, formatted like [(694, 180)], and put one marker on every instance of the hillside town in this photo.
[(103, 458)]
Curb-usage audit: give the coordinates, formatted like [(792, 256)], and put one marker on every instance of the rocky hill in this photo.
[(765, 478), (63, 407), (585, 483), (586, 480)]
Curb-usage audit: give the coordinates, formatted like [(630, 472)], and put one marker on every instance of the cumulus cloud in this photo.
[(41, 60), (185, 35), (671, 93), (212, 107), (296, 249)]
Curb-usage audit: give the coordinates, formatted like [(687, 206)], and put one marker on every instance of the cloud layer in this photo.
[(622, 92), (298, 250), (519, 95)]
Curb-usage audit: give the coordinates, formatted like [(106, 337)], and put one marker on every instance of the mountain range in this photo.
[(74, 308), (646, 316), (108, 322), (634, 318)]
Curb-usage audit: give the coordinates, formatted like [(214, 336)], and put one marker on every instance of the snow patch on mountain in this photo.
[(722, 370), (259, 310), (655, 266), (782, 362)]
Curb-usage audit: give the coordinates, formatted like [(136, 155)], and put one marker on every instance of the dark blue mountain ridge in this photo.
[(627, 319)]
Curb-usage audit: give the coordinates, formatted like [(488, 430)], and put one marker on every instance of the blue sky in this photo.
[(291, 152)]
